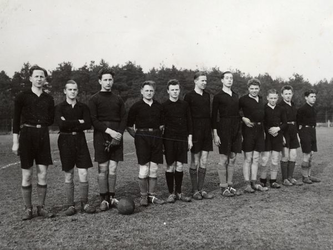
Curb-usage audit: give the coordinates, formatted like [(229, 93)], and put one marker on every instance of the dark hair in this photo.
[(70, 82), (36, 67), (172, 82), (198, 74), (149, 83), (253, 81), (310, 91), (225, 72), (104, 71), (272, 91), (287, 87)]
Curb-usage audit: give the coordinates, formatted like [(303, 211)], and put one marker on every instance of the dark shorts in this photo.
[(73, 151), (175, 150), (149, 146), (253, 138), (290, 134), (274, 143), (115, 153), (229, 131), (308, 140), (202, 136), (34, 146)]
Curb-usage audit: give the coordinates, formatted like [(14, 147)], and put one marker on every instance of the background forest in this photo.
[(129, 76)]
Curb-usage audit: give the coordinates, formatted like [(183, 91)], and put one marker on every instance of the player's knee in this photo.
[(170, 169), (26, 178), (179, 167), (143, 171), (153, 170), (83, 175), (69, 177), (232, 158), (275, 160), (113, 168)]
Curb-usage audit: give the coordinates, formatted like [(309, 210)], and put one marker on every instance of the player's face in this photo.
[(311, 99), (106, 82), (272, 99), (227, 80), (147, 92), (38, 78), (201, 82), (173, 91), (287, 95), (71, 91), (254, 90)]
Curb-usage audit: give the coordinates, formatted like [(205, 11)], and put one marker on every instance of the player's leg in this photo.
[(254, 172), (84, 191), (42, 190), (291, 166), (113, 165), (170, 179), (222, 173), (230, 174), (274, 169), (143, 183), (247, 171), (26, 190), (312, 178), (202, 174), (152, 183), (264, 164), (195, 162), (102, 178), (69, 187), (285, 166), (179, 181)]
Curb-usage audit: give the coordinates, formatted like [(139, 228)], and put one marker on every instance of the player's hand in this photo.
[(62, 118), (15, 148), (81, 121), (116, 135), (274, 130), (217, 140), (190, 144), (284, 141), (247, 122)]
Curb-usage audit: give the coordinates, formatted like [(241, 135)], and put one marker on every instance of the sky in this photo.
[(257, 37)]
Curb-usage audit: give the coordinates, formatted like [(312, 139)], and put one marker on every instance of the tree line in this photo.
[(128, 78)]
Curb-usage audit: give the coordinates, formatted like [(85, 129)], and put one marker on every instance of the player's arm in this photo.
[(131, 131), (246, 120), (16, 124), (62, 121), (85, 122), (217, 140), (123, 117), (131, 121)]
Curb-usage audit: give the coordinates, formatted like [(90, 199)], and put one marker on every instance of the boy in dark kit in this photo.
[(108, 116), (289, 152), (227, 134), (177, 140), (73, 117), (275, 122), (252, 110), (199, 102), (145, 124), (306, 121), (33, 113)]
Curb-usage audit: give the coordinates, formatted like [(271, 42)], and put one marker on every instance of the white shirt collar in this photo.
[(272, 107), (255, 98)]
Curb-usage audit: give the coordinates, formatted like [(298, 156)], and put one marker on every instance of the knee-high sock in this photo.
[(69, 186), (170, 176), (284, 169), (254, 171), (291, 169), (41, 191), (201, 178), (143, 184), (230, 173), (103, 185), (194, 179), (305, 169), (84, 189), (222, 173), (26, 194), (152, 182), (274, 171), (264, 171), (112, 184), (246, 171), (179, 181)]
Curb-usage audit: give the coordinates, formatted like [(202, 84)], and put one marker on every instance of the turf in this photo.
[(289, 218)]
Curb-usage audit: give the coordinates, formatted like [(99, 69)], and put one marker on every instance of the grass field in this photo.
[(289, 218)]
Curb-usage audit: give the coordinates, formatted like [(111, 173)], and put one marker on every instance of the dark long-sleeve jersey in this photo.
[(199, 104), (224, 106), (145, 116), (106, 106), (177, 119), (306, 115), (32, 109), (291, 111), (72, 115), (251, 109), (275, 117)]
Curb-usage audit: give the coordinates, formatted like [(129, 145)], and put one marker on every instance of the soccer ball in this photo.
[(126, 206)]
